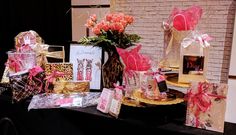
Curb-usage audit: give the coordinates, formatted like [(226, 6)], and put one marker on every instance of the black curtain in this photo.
[(50, 19)]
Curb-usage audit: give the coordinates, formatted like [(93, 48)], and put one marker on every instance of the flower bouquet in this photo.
[(110, 34)]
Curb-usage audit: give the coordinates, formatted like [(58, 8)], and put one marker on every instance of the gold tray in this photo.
[(131, 102), (172, 79), (139, 97)]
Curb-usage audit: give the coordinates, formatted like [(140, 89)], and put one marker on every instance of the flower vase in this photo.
[(112, 70)]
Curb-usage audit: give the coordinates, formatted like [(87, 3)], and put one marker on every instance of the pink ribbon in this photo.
[(32, 75), (51, 78), (201, 100), (14, 64), (118, 87)]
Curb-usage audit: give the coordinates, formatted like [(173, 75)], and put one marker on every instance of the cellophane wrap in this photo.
[(207, 105), (135, 65), (194, 58), (75, 100), (177, 27), (20, 61), (27, 38)]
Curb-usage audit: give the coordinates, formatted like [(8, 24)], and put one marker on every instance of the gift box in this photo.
[(206, 105), (48, 54), (65, 68), (194, 58), (105, 100), (26, 84), (66, 87)]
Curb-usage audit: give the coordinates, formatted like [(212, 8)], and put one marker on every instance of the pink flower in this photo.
[(96, 31), (89, 23), (117, 27), (108, 17), (105, 27), (93, 17), (129, 19), (124, 23)]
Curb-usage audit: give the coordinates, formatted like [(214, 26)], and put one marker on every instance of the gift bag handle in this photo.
[(185, 21)]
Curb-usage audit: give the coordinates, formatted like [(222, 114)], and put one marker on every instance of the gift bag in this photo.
[(26, 84), (194, 58), (136, 65), (177, 27), (206, 105)]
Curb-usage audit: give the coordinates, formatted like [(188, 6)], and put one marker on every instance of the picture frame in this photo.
[(87, 64)]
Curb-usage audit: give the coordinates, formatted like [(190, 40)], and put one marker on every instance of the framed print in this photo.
[(87, 64)]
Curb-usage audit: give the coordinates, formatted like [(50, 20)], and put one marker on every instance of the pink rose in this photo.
[(108, 17), (105, 27), (93, 17), (96, 31), (129, 19), (89, 23)]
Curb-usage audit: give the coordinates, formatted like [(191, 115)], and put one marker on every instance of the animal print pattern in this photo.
[(112, 71), (66, 68), (23, 87)]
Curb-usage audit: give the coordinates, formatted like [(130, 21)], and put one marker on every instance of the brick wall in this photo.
[(217, 21)]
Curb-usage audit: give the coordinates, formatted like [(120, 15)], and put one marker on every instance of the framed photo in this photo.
[(87, 64), (193, 65)]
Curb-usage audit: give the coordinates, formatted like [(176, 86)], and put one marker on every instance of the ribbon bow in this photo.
[(14, 64), (118, 87), (42, 53), (201, 100), (32, 74), (52, 77), (202, 39)]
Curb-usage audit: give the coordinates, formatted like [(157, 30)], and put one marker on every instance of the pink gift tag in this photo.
[(160, 78), (118, 94), (64, 102), (105, 100)]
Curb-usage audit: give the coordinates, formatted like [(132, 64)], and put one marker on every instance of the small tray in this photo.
[(169, 101)]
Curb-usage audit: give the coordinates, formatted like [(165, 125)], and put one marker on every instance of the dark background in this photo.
[(51, 19)]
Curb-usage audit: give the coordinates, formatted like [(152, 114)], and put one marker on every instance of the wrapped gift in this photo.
[(66, 68), (27, 38), (26, 84), (194, 58), (20, 61), (52, 100), (66, 87), (48, 54), (206, 106), (105, 100)]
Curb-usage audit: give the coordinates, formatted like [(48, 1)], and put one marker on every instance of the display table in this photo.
[(79, 121)]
